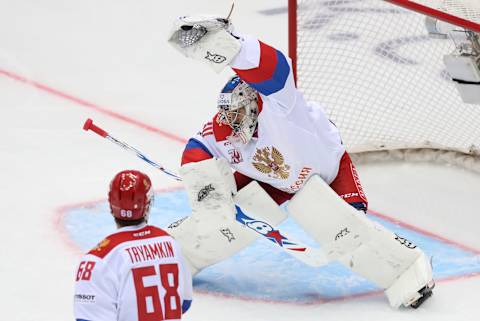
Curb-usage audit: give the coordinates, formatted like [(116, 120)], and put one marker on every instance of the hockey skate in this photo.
[(425, 292)]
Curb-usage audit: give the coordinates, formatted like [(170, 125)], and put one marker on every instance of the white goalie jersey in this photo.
[(294, 139)]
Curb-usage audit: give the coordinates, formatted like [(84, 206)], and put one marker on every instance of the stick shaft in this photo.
[(89, 125)]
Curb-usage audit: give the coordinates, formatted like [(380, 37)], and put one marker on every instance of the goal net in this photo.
[(381, 76)]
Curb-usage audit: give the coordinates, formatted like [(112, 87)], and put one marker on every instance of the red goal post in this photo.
[(380, 75), (457, 15)]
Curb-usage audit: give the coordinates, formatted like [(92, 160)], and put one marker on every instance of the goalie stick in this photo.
[(308, 255)]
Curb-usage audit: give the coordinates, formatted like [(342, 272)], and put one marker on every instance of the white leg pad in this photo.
[(366, 247), (210, 185), (205, 244), (338, 227), (211, 234), (404, 290)]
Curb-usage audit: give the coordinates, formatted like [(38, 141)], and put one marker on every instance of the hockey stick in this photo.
[(308, 255), (89, 125)]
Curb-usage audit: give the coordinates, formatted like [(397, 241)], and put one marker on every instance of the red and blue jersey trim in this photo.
[(195, 151), (272, 73)]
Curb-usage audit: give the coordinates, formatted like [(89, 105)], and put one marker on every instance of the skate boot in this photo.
[(425, 293)]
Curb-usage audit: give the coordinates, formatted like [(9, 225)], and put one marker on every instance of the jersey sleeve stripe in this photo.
[(266, 66), (272, 73), (195, 151)]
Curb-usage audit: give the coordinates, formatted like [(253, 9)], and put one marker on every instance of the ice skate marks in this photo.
[(263, 271)]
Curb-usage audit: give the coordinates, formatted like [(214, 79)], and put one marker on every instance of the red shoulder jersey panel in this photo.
[(112, 241)]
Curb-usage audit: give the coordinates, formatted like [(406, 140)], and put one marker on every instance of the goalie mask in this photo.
[(238, 108)]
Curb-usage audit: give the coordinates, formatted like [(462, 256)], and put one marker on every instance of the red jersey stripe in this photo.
[(194, 155), (266, 68)]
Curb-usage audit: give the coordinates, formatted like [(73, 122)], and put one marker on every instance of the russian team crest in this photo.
[(271, 162)]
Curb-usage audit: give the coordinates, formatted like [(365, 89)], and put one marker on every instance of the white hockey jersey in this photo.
[(136, 274), (294, 139)]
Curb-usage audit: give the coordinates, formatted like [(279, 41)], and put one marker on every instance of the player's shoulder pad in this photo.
[(112, 241)]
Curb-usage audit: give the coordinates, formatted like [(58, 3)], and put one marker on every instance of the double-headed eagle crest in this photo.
[(270, 161)]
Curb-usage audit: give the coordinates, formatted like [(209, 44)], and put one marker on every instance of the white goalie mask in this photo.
[(238, 108)]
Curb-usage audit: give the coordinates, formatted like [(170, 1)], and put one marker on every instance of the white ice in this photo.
[(114, 55)]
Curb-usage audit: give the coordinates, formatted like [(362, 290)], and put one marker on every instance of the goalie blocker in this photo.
[(366, 247)]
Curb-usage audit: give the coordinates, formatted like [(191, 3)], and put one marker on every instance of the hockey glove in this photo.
[(205, 38)]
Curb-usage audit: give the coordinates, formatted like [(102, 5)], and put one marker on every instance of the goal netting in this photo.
[(381, 77)]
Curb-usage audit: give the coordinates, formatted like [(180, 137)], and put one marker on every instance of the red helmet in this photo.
[(130, 195)]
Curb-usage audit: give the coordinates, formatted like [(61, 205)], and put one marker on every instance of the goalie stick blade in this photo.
[(308, 255)]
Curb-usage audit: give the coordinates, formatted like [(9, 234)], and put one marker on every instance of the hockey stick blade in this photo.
[(311, 256), (308, 255)]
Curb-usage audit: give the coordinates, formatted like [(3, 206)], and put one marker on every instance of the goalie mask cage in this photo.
[(381, 77)]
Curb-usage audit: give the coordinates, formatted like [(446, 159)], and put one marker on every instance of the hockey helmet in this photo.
[(238, 108), (130, 195)]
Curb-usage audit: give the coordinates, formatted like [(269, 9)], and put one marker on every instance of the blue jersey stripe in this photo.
[(193, 143), (278, 80), (186, 305)]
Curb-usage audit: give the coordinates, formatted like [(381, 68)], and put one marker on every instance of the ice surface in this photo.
[(113, 57)]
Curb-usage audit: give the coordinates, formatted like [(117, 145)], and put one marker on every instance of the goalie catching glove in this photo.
[(205, 38)]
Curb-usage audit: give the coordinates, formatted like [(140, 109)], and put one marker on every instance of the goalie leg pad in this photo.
[(367, 248), (210, 185), (334, 224), (211, 233), (405, 290), (206, 241)]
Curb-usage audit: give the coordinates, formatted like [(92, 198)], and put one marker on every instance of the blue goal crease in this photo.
[(263, 271)]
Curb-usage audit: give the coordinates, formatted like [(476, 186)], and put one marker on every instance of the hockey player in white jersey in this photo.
[(266, 132), (137, 273)]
